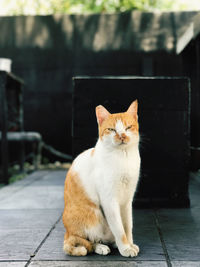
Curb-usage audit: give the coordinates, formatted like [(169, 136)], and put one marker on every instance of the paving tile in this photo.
[(28, 219), (181, 228), (181, 233), (7, 191), (19, 244), (12, 264), (98, 264), (22, 231), (194, 190), (43, 193), (146, 236), (185, 263), (29, 208)]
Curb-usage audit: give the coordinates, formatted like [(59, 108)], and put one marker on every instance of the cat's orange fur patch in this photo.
[(79, 211), (77, 246), (79, 214), (124, 239)]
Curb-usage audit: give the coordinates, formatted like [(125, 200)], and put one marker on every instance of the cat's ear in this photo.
[(101, 114), (133, 109)]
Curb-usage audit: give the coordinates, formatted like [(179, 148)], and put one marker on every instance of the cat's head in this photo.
[(119, 130)]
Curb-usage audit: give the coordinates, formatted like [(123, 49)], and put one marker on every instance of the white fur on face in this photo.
[(109, 140), (119, 127)]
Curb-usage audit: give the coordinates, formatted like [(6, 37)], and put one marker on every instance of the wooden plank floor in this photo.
[(31, 230)]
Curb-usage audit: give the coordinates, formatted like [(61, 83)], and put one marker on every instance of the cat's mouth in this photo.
[(123, 143)]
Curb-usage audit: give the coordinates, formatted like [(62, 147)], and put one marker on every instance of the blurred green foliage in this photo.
[(43, 7)]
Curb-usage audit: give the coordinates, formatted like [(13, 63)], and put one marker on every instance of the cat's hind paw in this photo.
[(101, 249), (130, 251)]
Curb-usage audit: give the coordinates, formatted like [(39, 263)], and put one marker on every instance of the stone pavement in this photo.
[(31, 230)]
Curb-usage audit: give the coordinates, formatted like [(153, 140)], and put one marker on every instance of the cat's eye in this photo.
[(112, 129), (129, 127)]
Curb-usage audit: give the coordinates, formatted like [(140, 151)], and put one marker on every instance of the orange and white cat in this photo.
[(100, 187)]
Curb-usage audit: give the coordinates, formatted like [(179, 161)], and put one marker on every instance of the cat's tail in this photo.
[(77, 246)]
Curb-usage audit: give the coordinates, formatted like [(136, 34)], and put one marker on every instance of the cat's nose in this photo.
[(123, 136)]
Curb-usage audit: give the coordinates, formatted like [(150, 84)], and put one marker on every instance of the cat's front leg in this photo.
[(113, 217), (127, 219)]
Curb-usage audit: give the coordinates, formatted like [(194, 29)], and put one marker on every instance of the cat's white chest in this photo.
[(124, 188), (127, 166), (124, 176), (124, 180)]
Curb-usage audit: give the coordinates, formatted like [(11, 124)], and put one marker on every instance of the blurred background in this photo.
[(49, 7), (51, 41)]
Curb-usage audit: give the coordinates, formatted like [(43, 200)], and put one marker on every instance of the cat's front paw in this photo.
[(101, 249), (130, 251), (135, 247)]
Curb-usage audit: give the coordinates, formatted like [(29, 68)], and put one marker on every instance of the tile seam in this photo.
[(42, 242), (167, 258)]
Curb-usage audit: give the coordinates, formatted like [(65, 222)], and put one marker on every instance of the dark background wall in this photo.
[(47, 51)]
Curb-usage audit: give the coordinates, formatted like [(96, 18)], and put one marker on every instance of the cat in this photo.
[(100, 186)]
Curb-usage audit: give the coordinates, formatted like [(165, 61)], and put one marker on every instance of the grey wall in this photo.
[(48, 50)]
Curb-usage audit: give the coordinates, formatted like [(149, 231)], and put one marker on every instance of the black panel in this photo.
[(164, 128)]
